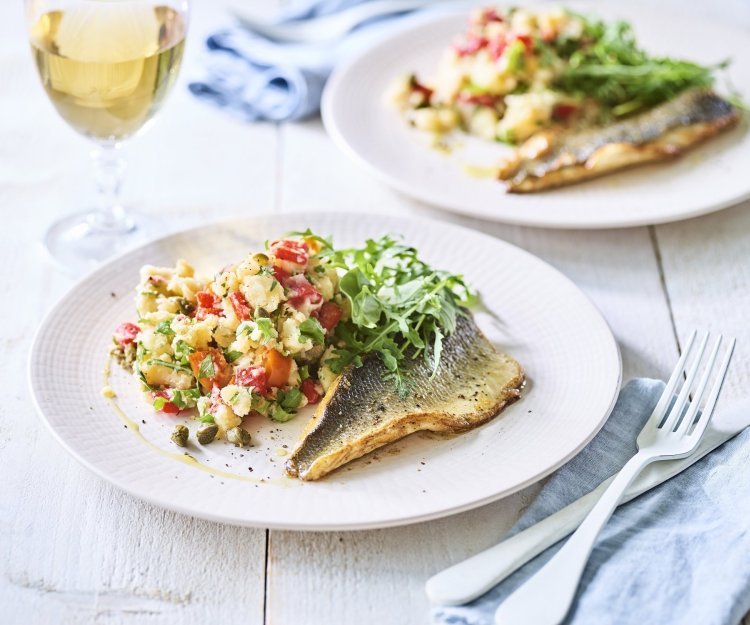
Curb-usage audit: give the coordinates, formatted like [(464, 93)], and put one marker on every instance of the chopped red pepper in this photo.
[(168, 407), (254, 377), (208, 304), (329, 316), (471, 46), (125, 333), (526, 40), (418, 87), (561, 112), (240, 305), (491, 15), (309, 391), (483, 99), (295, 252), (301, 291), (496, 48), (280, 275)]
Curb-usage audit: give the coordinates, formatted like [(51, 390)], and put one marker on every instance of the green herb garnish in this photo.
[(165, 328), (182, 350), (311, 329), (400, 306), (170, 365), (289, 400), (231, 356), (610, 67), (267, 329), (206, 369)]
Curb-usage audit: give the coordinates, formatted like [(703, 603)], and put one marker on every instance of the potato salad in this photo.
[(495, 80), (248, 342)]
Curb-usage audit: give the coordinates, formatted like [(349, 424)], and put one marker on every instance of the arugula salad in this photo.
[(516, 71), (268, 335)]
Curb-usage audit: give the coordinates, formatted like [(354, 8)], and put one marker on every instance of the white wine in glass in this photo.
[(107, 66)]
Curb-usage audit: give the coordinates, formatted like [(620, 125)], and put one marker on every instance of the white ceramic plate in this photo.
[(569, 353), (361, 121)]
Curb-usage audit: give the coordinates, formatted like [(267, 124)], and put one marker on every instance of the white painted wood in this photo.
[(75, 550), (72, 548), (707, 270)]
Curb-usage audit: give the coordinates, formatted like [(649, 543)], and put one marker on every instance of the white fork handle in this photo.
[(546, 598)]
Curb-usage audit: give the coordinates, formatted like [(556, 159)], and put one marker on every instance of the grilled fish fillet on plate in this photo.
[(363, 411), (553, 159)]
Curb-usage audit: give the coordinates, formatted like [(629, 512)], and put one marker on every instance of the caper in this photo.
[(207, 433), (186, 308), (180, 435), (261, 259), (238, 436)]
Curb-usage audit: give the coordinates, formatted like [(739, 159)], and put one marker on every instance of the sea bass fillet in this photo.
[(553, 159), (363, 411)]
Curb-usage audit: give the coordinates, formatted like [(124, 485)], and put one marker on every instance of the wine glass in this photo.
[(107, 66)]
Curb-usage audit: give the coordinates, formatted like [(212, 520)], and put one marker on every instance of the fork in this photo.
[(673, 430), (327, 27)]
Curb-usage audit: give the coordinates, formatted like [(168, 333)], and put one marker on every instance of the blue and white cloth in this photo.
[(256, 78), (677, 555)]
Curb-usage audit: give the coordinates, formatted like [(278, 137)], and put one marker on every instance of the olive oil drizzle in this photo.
[(184, 457)]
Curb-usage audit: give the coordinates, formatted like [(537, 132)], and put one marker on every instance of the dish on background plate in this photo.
[(543, 320), (706, 179)]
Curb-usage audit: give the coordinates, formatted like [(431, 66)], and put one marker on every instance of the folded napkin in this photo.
[(677, 555), (256, 78)]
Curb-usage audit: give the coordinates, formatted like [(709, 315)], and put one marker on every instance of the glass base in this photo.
[(80, 242)]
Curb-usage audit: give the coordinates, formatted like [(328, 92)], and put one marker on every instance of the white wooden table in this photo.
[(73, 549)]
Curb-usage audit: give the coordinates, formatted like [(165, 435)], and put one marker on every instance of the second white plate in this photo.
[(362, 123), (545, 322)]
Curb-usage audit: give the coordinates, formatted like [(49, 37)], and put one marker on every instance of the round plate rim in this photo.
[(301, 526)]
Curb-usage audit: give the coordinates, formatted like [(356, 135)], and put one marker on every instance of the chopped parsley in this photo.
[(231, 356), (311, 329), (206, 369), (165, 328)]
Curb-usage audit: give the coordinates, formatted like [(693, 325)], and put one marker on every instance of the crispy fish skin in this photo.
[(363, 411), (664, 132)]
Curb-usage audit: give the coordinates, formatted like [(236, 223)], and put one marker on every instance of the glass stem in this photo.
[(109, 167)]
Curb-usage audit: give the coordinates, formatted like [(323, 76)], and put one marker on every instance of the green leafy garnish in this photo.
[(185, 398), (267, 329), (206, 369), (182, 350), (277, 413), (169, 365), (311, 329), (304, 372), (400, 306), (231, 356), (610, 67), (165, 328), (516, 54), (289, 400)]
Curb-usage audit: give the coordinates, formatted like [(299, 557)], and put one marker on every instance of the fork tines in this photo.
[(692, 376)]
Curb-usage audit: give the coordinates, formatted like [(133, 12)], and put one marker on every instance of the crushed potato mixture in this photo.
[(249, 342), (497, 80)]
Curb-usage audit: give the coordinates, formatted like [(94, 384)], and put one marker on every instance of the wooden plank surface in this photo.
[(75, 550)]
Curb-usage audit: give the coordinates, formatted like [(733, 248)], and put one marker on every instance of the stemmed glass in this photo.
[(107, 66)]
